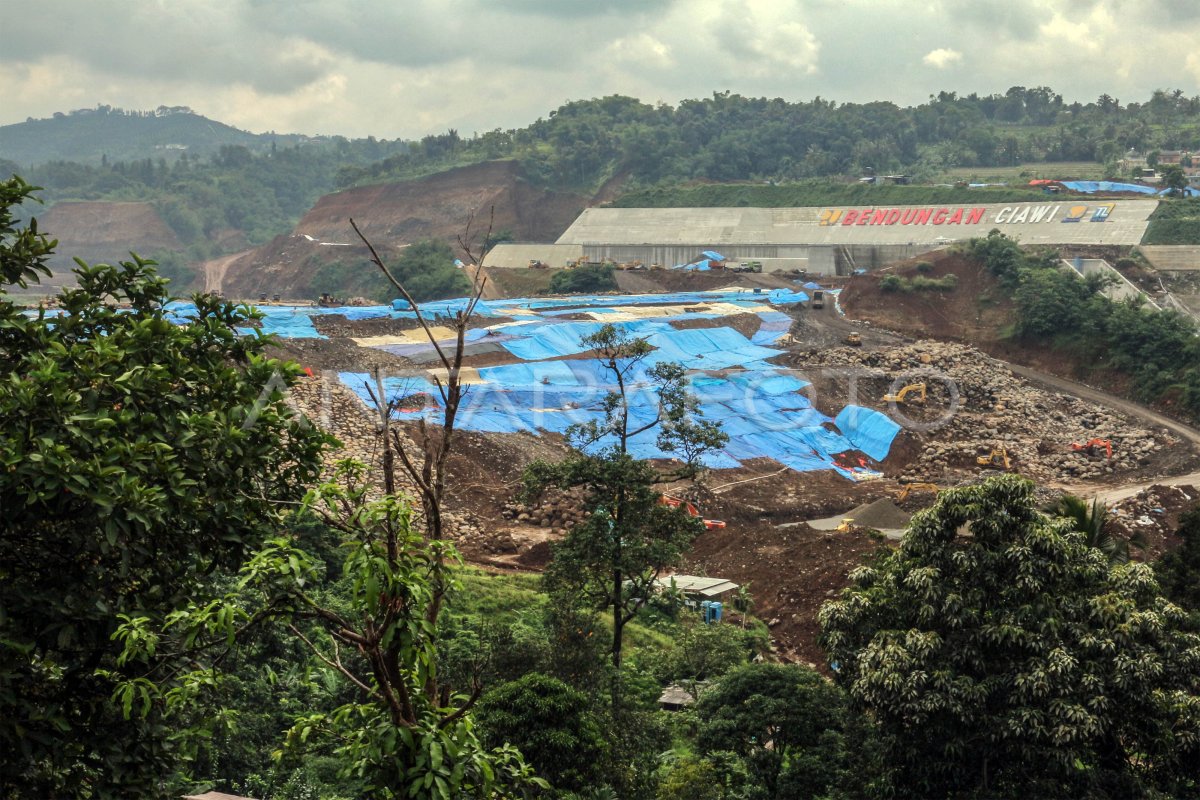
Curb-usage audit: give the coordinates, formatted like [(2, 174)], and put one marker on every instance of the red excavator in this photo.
[(1090, 446), (692, 511)]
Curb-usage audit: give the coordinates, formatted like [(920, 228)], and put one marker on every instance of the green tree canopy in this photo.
[(1179, 570), (610, 560), (139, 459), (551, 724), (586, 279), (1001, 655), (786, 722), (427, 270)]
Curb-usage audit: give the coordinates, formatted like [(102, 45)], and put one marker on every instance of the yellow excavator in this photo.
[(909, 488), (902, 395), (997, 459), (846, 526)]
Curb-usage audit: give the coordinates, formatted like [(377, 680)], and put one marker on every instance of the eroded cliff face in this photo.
[(396, 214), (101, 231)]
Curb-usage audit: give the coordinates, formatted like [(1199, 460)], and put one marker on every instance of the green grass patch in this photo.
[(1023, 173), (918, 283), (1174, 222), (818, 193)]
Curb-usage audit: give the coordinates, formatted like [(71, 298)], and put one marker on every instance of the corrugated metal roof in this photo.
[(695, 584)]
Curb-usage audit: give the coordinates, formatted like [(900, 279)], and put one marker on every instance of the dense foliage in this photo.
[(1016, 661), (426, 268), (227, 181), (1159, 351), (140, 460), (787, 724), (1179, 570), (587, 279)]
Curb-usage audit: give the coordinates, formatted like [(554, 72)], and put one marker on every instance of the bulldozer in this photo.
[(536, 264), (846, 526), (997, 459), (909, 488), (902, 395), (854, 339), (1090, 446)]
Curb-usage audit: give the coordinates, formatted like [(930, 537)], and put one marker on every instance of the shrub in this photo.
[(892, 283), (590, 278), (924, 267), (946, 283)]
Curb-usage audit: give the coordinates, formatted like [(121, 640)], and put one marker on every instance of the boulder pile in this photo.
[(338, 411), (556, 510), (975, 403)]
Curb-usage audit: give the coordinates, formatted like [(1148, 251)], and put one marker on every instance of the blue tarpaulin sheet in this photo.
[(763, 407), (1092, 187), (869, 430)]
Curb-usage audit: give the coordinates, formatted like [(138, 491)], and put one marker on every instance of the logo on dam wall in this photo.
[(1025, 214), (1098, 213)]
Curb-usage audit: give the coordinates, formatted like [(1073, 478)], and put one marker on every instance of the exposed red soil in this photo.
[(101, 231), (974, 311), (395, 214)]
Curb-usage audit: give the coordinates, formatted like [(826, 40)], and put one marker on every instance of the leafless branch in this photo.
[(334, 663)]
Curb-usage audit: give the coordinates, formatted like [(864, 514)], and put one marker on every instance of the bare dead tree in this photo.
[(425, 461)]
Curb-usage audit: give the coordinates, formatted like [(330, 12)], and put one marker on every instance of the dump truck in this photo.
[(818, 298)]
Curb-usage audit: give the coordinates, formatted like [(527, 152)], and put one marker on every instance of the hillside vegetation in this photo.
[(221, 189)]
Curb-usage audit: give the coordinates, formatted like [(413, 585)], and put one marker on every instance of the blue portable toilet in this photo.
[(716, 608), (706, 611)]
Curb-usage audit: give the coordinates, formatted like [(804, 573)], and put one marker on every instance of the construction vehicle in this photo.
[(854, 339), (691, 510), (909, 488), (818, 299), (997, 459), (536, 264), (1090, 446), (902, 395), (748, 266), (846, 526)]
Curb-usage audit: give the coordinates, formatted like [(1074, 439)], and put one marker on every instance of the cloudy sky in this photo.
[(404, 68)]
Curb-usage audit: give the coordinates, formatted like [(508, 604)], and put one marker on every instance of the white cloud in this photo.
[(942, 58), (642, 50), (408, 69)]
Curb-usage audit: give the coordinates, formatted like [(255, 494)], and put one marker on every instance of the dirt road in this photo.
[(214, 271), (1112, 494)]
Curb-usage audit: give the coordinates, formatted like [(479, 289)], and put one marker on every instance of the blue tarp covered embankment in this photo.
[(868, 430), (763, 408)]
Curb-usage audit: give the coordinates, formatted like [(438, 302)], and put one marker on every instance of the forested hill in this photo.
[(230, 189), (105, 134), (728, 137)]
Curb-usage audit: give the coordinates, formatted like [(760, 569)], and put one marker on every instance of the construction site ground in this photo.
[(791, 568)]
